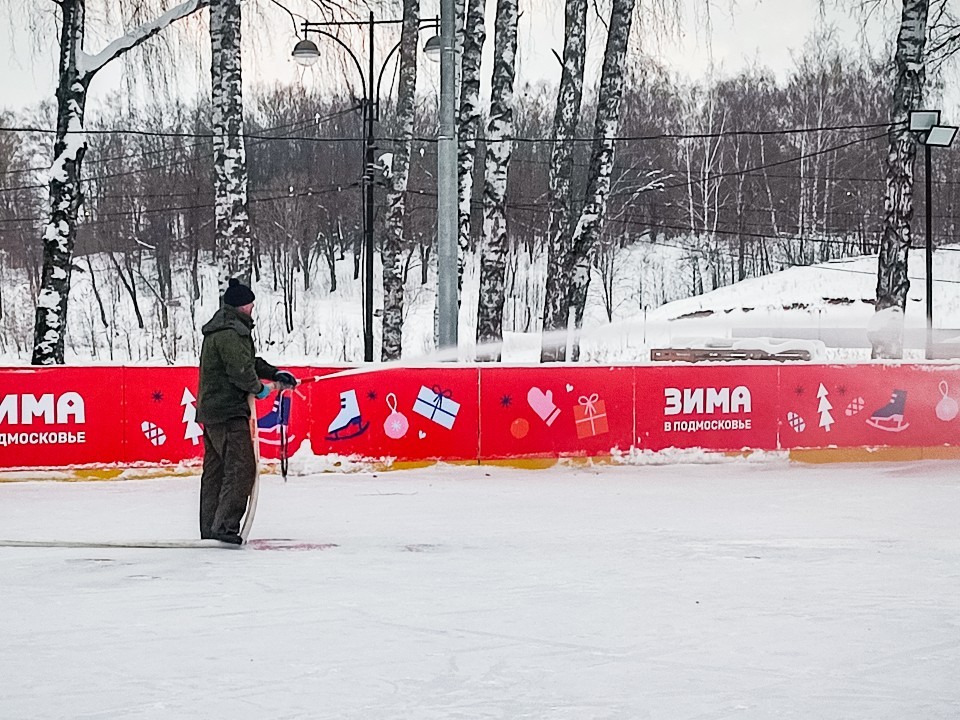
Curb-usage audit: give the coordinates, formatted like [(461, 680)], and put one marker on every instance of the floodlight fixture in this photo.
[(923, 120), (941, 135)]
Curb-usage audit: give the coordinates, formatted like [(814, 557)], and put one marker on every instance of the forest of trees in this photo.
[(746, 174)]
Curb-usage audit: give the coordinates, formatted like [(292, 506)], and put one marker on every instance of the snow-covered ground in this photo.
[(830, 302), (740, 590)]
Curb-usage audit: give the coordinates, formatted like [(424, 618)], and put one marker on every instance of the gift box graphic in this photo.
[(590, 416), (437, 405)]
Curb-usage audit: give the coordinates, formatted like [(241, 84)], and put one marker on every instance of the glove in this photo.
[(264, 391), (286, 380), (543, 405)]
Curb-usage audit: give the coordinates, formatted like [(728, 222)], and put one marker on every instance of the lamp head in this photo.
[(433, 47), (305, 53)]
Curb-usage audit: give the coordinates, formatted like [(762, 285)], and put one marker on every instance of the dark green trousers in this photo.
[(229, 470)]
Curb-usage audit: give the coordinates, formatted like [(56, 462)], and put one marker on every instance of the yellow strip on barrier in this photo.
[(880, 454)]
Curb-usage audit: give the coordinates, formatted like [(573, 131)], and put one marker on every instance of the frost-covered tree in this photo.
[(493, 256), (586, 234), (234, 250), (392, 252), (892, 281), (566, 118), (76, 70), (468, 124)]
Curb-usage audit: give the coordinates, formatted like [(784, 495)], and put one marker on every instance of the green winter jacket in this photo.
[(229, 367)]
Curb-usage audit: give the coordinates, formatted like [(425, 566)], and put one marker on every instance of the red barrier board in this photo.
[(555, 411), (160, 410), (52, 417), (64, 416), (728, 407), (407, 414), (869, 406), (159, 415)]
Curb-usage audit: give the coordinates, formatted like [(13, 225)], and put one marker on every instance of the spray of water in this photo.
[(485, 349)]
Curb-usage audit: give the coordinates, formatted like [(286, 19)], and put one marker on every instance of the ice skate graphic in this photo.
[(271, 423), (890, 416), (348, 423)]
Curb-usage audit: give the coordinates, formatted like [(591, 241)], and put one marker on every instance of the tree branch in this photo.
[(89, 65), (293, 16)]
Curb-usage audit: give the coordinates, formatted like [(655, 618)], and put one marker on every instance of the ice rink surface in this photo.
[(681, 592)]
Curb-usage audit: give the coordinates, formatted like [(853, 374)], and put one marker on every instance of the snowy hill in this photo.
[(831, 302)]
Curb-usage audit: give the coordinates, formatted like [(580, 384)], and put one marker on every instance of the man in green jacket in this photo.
[(230, 372)]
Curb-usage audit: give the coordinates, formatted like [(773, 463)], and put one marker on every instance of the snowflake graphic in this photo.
[(841, 390), (799, 390), (506, 401), (157, 396), (372, 395), (396, 426)]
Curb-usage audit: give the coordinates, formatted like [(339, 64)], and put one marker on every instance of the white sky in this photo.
[(741, 33)]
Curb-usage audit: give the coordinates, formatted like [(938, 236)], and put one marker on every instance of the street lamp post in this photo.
[(447, 225), (306, 53), (926, 124)]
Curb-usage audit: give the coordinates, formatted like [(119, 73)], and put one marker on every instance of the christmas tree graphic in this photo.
[(824, 408), (193, 432)]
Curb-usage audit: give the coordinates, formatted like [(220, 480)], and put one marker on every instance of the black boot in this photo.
[(228, 537)]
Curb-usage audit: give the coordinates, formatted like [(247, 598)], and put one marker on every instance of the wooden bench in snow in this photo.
[(728, 354)]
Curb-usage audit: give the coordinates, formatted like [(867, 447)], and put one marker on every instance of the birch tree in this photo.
[(468, 125), (392, 251), (586, 234), (892, 281), (566, 118), (76, 70), (493, 257), (229, 154)]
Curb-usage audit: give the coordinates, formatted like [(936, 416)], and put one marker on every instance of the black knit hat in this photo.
[(237, 294)]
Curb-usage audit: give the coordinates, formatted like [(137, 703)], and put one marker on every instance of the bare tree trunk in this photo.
[(766, 183), (569, 98), (392, 251), (96, 294), (65, 195), (195, 268), (234, 251), (892, 281), (163, 261), (468, 126), (130, 283), (606, 127), (499, 149), (425, 263)]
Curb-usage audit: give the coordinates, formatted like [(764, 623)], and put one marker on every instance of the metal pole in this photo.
[(929, 213), (447, 182), (368, 223)]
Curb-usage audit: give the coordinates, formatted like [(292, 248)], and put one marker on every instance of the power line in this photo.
[(200, 206), (680, 171), (620, 138), (97, 161), (162, 166), (261, 138), (144, 153), (710, 135)]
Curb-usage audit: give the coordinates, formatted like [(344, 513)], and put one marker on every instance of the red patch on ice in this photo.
[(288, 545)]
